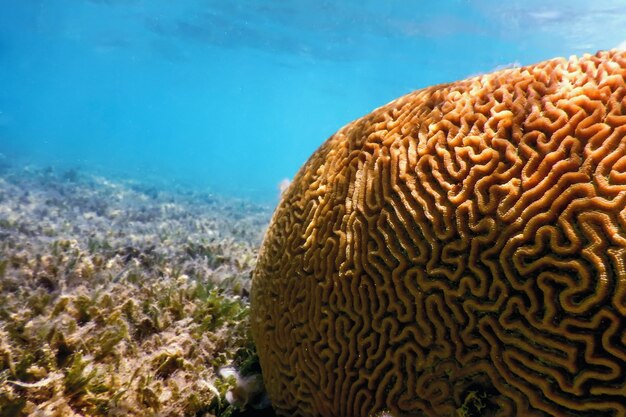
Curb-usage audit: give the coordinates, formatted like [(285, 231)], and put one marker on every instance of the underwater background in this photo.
[(143, 145), (233, 96)]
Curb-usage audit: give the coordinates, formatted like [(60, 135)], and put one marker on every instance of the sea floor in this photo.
[(123, 299)]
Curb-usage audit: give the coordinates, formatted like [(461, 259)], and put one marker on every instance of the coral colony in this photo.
[(460, 251)]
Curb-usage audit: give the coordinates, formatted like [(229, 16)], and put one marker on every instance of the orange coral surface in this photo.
[(459, 251)]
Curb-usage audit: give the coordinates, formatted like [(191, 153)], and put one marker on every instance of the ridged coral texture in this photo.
[(459, 251)]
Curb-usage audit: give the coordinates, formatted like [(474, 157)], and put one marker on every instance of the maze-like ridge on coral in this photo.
[(466, 242)]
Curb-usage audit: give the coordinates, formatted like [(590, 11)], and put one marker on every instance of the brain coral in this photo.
[(459, 251)]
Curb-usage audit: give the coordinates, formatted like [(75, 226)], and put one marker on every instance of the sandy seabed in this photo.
[(118, 298)]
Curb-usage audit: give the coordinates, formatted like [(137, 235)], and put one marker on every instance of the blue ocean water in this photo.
[(233, 96)]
